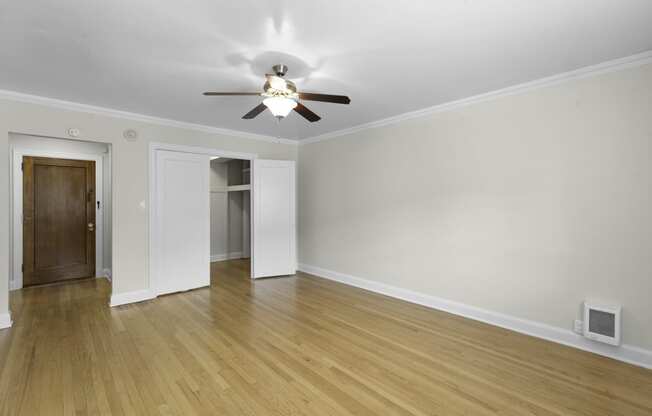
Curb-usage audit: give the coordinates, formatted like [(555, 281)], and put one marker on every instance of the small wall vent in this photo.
[(602, 322)]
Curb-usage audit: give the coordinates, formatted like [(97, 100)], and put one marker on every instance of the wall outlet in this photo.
[(578, 327)]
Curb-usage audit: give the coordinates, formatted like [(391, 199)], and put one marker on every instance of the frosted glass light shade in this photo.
[(280, 106)]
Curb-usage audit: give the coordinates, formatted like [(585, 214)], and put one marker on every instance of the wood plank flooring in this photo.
[(289, 346)]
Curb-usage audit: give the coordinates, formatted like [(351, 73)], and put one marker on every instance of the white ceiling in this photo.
[(156, 57)]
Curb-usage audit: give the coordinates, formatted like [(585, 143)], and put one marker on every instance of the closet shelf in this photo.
[(235, 188)]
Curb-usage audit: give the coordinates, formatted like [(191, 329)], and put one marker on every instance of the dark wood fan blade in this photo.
[(211, 93), (327, 98), (306, 113), (257, 110)]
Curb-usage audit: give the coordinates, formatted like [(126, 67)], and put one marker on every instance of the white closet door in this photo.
[(183, 214), (274, 218)]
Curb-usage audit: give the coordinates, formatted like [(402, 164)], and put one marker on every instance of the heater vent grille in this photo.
[(602, 322)]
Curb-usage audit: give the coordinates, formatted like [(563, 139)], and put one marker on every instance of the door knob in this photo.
[(91, 226)]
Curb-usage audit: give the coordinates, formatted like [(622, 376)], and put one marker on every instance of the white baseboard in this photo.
[(107, 273), (627, 353), (131, 297), (5, 320), (226, 256), (219, 257)]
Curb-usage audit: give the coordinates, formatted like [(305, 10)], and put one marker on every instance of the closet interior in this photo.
[(230, 202)]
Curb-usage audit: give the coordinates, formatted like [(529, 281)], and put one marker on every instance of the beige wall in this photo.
[(524, 205), (130, 176)]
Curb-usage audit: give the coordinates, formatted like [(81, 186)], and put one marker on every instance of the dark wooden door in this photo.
[(58, 219)]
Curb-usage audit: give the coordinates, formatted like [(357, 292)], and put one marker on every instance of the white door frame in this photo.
[(16, 281), (153, 197)]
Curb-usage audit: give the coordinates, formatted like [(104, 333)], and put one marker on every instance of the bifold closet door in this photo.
[(273, 203), (182, 238)]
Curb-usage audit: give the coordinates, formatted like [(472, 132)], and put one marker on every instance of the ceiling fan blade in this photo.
[(211, 93), (257, 110), (306, 113), (327, 98)]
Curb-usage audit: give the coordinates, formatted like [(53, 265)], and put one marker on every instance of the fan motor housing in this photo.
[(290, 89), (280, 69)]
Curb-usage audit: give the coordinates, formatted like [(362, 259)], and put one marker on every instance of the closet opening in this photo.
[(230, 213), (208, 207)]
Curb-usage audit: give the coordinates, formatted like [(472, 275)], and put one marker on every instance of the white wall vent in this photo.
[(602, 322)]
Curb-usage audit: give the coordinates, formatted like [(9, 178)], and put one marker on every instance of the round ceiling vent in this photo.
[(131, 135)]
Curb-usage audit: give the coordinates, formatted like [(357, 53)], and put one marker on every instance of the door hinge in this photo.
[(22, 267), (22, 165)]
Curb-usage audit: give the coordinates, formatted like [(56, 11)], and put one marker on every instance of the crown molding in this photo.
[(585, 72), (109, 112), (593, 70)]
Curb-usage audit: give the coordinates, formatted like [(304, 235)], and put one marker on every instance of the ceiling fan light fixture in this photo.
[(280, 106), (281, 96)]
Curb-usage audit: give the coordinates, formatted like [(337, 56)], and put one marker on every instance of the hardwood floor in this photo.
[(289, 346)]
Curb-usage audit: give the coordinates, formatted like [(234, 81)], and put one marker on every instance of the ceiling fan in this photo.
[(281, 97)]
